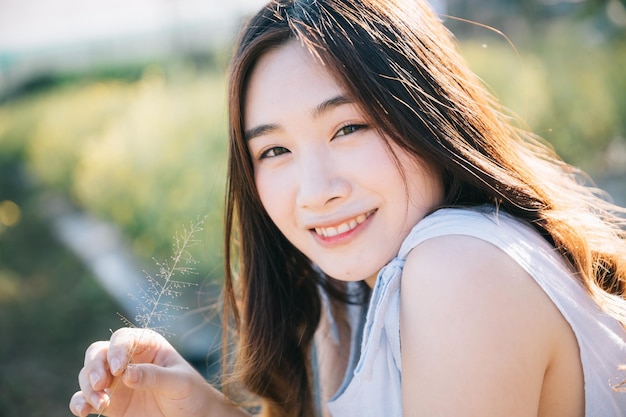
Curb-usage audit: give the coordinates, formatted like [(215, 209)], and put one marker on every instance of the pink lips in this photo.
[(334, 234)]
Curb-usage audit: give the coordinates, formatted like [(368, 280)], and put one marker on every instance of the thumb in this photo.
[(149, 377)]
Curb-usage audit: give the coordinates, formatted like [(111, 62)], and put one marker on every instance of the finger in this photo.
[(96, 366), (95, 399), (122, 347), (79, 406), (173, 381), (139, 344)]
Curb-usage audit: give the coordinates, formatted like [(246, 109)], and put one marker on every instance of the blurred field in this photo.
[(144, 149), (51, 308), (146, 155)]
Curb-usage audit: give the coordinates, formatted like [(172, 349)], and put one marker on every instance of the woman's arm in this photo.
[(155, 382), (478, 334)]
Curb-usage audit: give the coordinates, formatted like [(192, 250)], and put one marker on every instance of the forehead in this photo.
[(286, 81)]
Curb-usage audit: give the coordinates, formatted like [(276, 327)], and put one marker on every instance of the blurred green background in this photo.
[(103, 163)]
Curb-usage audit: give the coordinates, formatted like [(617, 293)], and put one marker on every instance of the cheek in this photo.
[(426, 190), (371, 164), (274, 194)]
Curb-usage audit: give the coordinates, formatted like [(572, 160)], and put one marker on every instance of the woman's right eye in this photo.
[(273, 152)]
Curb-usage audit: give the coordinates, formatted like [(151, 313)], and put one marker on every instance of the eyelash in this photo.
[(343, 131), (266, 153), (351, 127)]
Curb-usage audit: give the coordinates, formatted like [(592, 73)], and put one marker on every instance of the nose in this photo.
[(320, 181)]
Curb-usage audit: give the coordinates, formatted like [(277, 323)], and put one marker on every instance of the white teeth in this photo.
[(343, 227)]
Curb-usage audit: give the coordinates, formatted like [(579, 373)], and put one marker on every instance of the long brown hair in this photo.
[(399, 62)]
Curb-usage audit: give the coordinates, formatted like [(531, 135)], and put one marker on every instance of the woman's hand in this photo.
[(138, 373)]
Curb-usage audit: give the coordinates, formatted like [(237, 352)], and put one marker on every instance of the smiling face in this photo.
[(326, 177)]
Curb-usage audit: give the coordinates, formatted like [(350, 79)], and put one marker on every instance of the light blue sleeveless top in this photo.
[(372, 385)]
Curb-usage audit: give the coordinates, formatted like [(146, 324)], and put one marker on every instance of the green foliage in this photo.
[(160, 161), (147, 155), (567, 85), (51, 309)]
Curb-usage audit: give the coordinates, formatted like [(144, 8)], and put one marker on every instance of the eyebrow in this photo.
[(317, 111), (330, 104), (261, 130)]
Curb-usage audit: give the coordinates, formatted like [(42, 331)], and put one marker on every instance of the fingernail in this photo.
[(115, 365), (133, 374), (98, 402), (94, 378), (79, 408)]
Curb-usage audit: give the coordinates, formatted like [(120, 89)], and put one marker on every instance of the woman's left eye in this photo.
[(346, 130), (273, 152)]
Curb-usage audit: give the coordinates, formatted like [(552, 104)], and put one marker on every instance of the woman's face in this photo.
[(325, 175)]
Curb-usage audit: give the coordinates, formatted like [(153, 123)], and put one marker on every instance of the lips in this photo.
[(343, 227)]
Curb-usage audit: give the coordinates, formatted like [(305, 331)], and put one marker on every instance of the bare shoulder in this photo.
[(478, 334), (471, 273)]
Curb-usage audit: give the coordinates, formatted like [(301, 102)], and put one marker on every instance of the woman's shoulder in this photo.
[(469, 265), (462, 252), (484, 222), (469, 313), (475, 260)]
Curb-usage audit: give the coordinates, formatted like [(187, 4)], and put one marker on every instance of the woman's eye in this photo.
[(272, 152), (346, 130)]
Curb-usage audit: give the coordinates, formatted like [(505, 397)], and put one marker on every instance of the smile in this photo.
[(343, 227)]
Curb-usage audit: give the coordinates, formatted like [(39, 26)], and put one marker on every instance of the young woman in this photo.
[(402, 249)]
